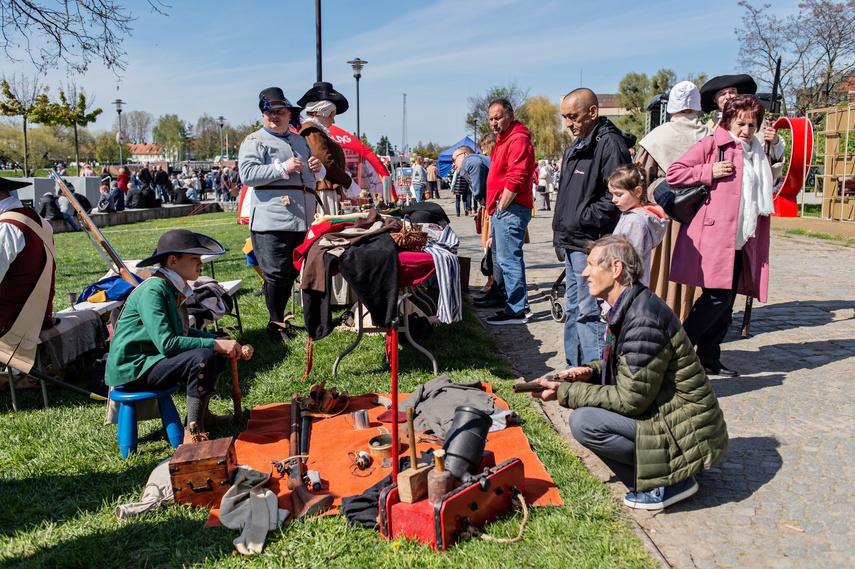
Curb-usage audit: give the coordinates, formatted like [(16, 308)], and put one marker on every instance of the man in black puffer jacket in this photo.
[(584, 212), (647, 409)]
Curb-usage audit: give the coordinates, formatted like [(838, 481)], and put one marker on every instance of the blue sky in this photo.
[(213, 56)]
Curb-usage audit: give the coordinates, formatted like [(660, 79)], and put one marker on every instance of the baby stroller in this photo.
[(556, 293)]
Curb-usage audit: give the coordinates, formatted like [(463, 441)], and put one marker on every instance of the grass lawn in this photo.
[(61, 475)]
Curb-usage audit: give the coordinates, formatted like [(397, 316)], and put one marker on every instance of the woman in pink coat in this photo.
[(725, 248)]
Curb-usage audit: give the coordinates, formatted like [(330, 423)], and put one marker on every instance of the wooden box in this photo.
[(202, 472)]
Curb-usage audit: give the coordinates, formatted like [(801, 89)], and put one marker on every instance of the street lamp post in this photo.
[(120, 138), (357, 65), (221, 120)]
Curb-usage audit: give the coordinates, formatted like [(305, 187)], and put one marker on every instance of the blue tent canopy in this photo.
[(444, 160)]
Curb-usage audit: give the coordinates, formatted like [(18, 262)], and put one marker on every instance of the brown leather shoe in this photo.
[(191, 437)]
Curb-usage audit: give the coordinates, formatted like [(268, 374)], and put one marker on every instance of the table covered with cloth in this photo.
[(364, 253), (74, 334)]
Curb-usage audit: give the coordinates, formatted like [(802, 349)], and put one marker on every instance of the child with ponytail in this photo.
[(641, 222)]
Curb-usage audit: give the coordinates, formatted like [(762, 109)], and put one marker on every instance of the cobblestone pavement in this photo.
[(783, 495)]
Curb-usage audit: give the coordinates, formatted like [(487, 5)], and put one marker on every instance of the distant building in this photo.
[(146, 153), (817, 96), (609, 107)]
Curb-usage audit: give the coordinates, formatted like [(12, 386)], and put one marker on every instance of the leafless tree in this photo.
[(479, 106), (73, 32), (207, 137), (816, 46), (137, 126)]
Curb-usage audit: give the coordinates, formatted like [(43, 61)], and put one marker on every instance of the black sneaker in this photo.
[(489, 301), (505, 318), (715, 367)]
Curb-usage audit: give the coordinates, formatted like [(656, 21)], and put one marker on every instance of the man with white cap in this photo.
[(279, 166), (322, 103), (662, 146)]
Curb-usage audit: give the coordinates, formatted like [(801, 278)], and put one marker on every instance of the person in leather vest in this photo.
[(27, 274)]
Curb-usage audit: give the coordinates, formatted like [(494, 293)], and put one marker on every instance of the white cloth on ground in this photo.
[(158, 491), (250, 507)]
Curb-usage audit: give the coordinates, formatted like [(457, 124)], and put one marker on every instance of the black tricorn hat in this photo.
[(182, 241), (274, 98), (324, 91), (744, 84), (9, 184)]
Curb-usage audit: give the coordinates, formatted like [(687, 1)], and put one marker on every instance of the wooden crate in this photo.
[(202, 472)]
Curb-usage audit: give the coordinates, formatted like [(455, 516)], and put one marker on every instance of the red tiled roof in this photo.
[(607, 100), (146, 149)]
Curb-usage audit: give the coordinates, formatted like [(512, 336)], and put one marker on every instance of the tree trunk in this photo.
[(26, 151), (76, 150)]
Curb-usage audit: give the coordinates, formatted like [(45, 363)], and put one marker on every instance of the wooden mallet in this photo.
[(412, 483), (246, 352)]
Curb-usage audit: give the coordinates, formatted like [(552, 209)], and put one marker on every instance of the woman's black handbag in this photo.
[(681, 204)]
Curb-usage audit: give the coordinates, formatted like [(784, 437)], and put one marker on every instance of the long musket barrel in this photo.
[(767, 147), (120, 266)]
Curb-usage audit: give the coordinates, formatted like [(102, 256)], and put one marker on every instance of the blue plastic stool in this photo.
[(127, 427)]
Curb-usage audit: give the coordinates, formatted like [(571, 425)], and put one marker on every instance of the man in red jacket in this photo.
[(509, 203)]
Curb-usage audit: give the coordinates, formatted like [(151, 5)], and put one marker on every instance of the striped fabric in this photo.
[(444, 252)]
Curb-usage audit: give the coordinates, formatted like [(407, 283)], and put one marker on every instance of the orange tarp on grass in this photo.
[(266, 440)]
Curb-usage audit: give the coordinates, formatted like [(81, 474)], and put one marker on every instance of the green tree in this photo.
[(544, 122), (72, 112), (430, 150), (26, 98), (634, 91), (49, 145), (479, 106), (105, 149), (170, 132), (384, 146), (662, 82), (632, 95)]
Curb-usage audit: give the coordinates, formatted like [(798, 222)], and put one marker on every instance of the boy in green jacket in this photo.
[(153, 346)]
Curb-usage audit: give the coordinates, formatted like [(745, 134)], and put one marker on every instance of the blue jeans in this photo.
[(162, 194), (508, 228), (418, 192), (498, 279), (71, 222), (609, 435), (583, 329)]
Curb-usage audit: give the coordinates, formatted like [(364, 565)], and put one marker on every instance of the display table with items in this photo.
[(414, 269), (383, 261)]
